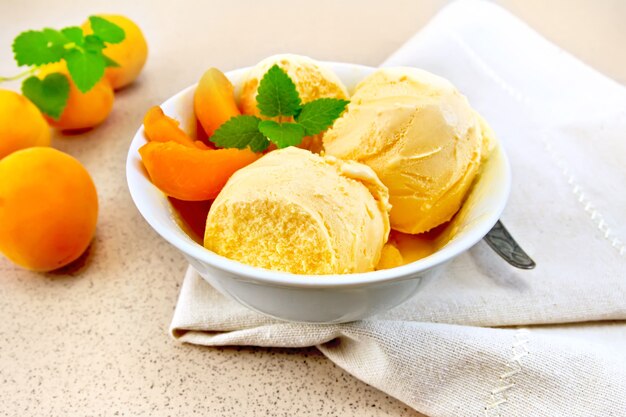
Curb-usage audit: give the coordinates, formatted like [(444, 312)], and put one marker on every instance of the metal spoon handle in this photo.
[(501, 241)]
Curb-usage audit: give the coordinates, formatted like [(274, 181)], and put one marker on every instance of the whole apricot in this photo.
[(48, 208), (83, 110), (130, 54), (21, 124)]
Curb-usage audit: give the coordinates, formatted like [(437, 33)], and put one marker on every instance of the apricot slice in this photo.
[(192, 174), (214, 100), (160, 128), (201, 145)]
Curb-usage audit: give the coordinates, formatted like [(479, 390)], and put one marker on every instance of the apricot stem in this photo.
[(18, 76)]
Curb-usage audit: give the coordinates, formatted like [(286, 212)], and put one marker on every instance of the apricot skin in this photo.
[(48, 208), (214, 100), (21, 124)]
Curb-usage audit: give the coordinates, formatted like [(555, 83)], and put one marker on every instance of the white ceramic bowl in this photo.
[(315, 298)]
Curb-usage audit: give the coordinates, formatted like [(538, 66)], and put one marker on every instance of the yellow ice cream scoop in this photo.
[(298, 212), (313, 80), (420, 136)]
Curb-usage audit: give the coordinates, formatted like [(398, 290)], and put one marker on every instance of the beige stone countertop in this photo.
[(92, 339)]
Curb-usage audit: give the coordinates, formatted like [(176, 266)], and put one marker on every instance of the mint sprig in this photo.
[(107, 31), (74, 34), (282, 134), (277, 94), (240, 132), (317, 116), (85, 67), (277, 97), (38, 47), (49, 94), (83, 55)]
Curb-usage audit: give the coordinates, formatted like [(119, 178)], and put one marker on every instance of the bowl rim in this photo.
[(264, 276)]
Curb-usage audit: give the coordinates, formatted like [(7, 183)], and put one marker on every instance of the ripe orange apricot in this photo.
[(21, 124), (83, 110), (214, 100), (48, 208), (130, 54), (160, 128), (192, 174)]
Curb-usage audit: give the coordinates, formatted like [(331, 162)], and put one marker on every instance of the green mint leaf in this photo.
[(74, 34), (56, 38), (318, 115), (109, 62), (38, 47), (107, 31), (94, 44), (49, 95), (277, 94), (240, 132), (86, 68), (282, 134)]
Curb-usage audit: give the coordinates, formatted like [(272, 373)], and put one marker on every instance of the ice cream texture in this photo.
[(313, 80), (420, 136), (295, 211)]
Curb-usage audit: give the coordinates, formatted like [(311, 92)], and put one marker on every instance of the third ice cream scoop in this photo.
[(420, 136)]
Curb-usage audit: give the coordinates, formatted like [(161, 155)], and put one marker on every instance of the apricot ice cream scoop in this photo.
[(295, 211), (313, 80), (420, 136)]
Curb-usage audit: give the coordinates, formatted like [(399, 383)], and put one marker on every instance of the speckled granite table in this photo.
[(92, 339)]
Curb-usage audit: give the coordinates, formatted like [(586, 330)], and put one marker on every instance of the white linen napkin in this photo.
[(564, 128)]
